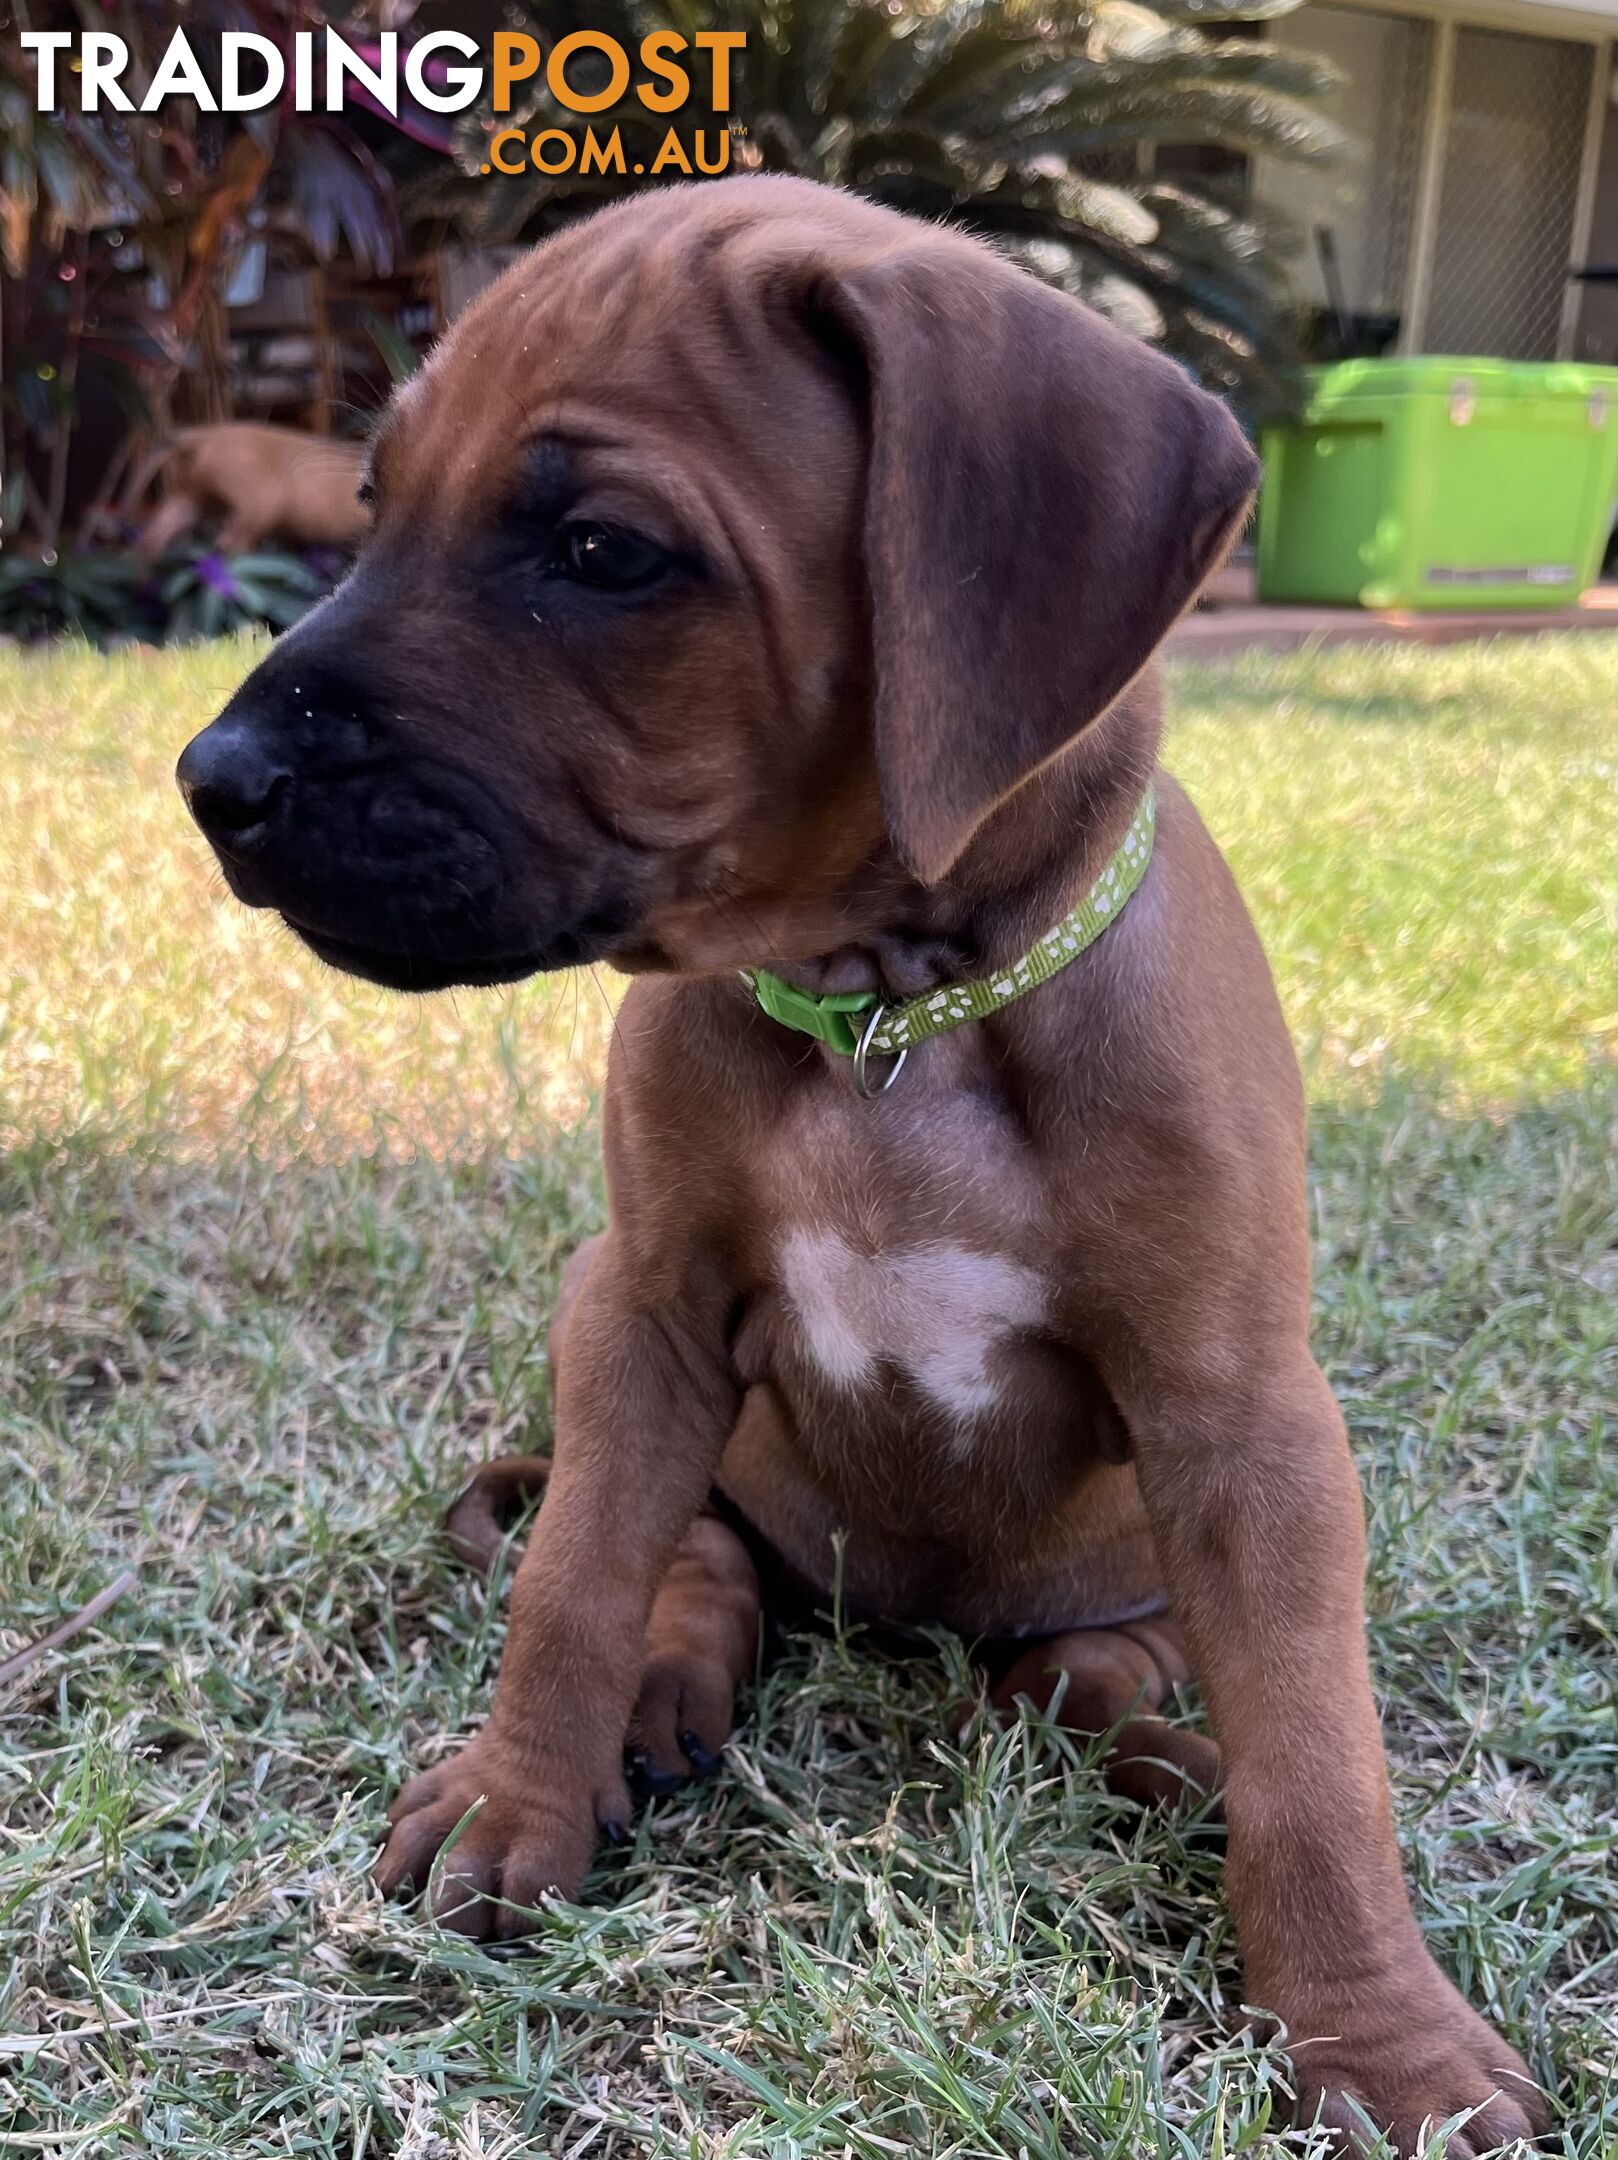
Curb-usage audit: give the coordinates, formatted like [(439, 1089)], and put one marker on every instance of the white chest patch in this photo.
[(934, 1312)]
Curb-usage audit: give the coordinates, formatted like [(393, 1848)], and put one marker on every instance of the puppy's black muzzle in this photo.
[(395, 862), (232, 778)]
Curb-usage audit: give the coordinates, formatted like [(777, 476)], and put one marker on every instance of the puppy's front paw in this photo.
[(532, 1832), (1408, 2063)]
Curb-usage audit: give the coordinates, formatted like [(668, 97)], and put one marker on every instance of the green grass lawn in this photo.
[(276, 1258)]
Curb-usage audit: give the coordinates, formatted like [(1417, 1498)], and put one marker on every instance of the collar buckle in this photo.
[(836, 1018)]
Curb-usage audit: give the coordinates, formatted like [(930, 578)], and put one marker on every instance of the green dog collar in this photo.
[(858, 1025)]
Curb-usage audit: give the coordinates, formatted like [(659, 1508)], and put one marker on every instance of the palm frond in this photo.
[(1026, 121)]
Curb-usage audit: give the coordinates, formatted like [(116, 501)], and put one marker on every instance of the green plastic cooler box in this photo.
[(1436, 483)]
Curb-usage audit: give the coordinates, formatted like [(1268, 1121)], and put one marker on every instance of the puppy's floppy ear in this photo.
[(1044, 496)]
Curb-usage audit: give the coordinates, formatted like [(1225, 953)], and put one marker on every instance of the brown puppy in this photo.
[(761, 579), (252, 482)]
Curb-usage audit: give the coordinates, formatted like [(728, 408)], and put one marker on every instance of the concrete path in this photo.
[(1230, 619)]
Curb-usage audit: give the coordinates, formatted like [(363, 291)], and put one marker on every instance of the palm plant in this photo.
[(1036, 123)]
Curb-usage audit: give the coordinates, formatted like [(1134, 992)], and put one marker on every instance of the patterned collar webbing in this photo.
[(840, 1020)]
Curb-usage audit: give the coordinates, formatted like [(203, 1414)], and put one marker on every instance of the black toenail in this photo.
[(645, 1777), (615, 1833), (702, 1760)]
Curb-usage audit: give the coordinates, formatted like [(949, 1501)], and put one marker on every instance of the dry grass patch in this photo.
[(276, 1253)]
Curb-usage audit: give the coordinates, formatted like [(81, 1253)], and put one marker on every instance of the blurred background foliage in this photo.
[(1103, 143), (119, 232), (109, 598)]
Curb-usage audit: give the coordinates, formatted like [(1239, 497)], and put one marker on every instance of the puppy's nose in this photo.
[(230, 778)]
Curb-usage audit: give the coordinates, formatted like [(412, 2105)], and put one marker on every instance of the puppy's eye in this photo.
[(365, 495), (611, 560)]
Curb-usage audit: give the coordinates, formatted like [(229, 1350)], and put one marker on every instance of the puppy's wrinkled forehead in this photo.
[(658, 328)]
